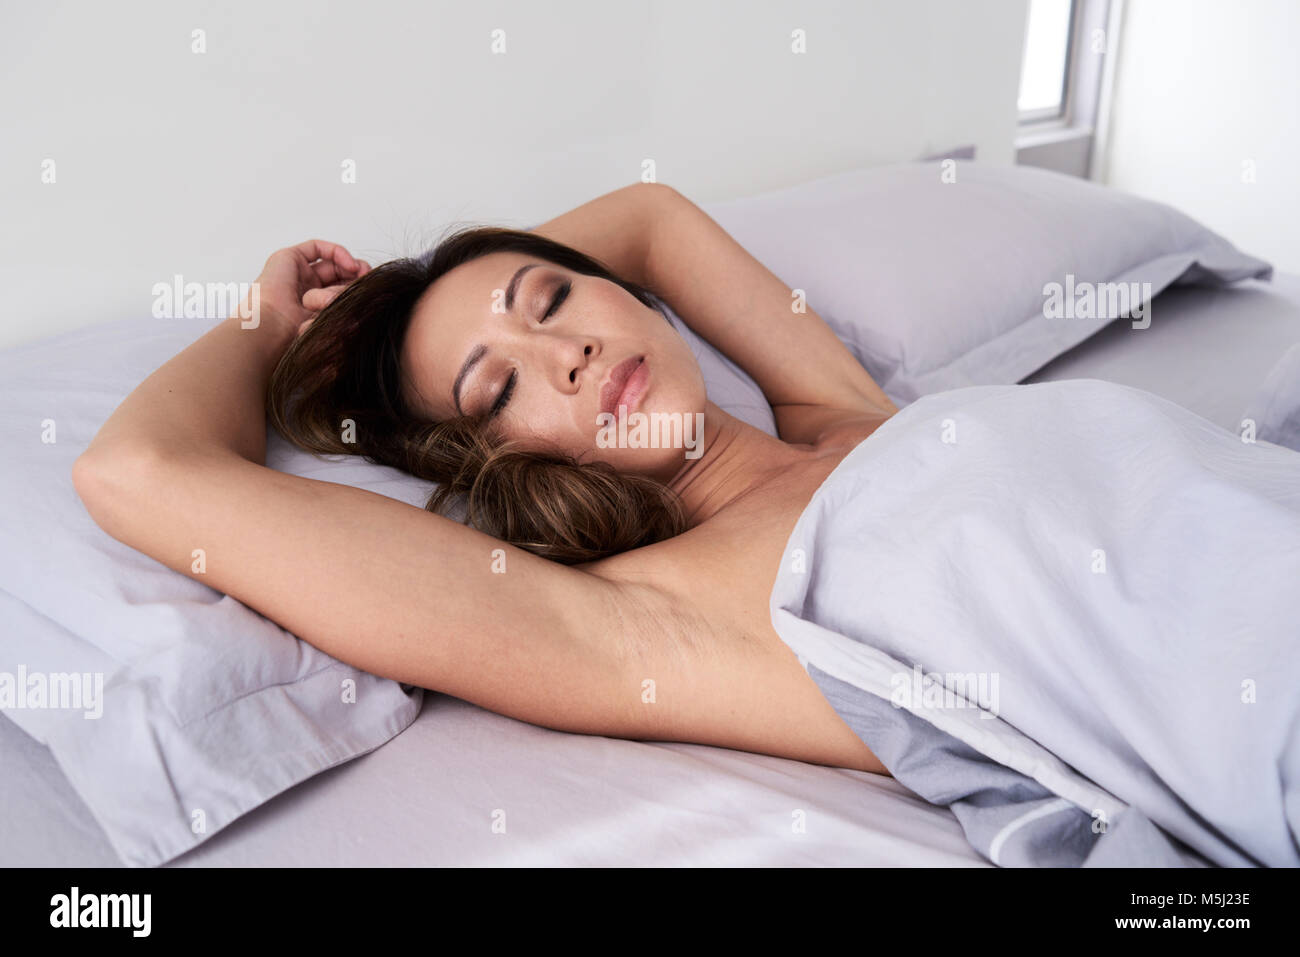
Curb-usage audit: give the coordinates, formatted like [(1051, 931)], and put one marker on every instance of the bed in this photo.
[(428, 796)]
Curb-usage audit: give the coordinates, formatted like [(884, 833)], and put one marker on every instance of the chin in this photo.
[(658, 435)]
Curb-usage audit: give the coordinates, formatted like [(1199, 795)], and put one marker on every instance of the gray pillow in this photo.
[(938, 275), (199, 708)]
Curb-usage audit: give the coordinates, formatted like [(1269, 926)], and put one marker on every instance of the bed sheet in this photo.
[(1208, 349), (432, 794)]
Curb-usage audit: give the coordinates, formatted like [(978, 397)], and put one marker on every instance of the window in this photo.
[(1044, 68), (1065, 80)]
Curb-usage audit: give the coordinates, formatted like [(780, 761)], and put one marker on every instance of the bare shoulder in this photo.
[(697, 648), (827, 427), (686, 675)]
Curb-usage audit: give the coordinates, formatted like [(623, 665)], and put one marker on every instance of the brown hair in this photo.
[(346, 366)]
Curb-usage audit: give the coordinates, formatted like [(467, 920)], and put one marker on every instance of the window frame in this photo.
[(1061, 112), (1072, 140)]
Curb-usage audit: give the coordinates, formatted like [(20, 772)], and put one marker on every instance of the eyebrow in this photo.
[(478, 352)]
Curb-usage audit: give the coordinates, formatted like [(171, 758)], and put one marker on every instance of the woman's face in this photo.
[(538, 344)]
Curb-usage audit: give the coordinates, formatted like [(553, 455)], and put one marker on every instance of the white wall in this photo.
[(168, 161), (1202, 88)]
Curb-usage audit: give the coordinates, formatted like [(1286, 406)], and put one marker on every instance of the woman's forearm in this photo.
[(614, 228), (735, 302), (208, 398)]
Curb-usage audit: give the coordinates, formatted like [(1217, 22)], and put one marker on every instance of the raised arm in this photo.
[(177, 472), (615, 228), (735, 302)]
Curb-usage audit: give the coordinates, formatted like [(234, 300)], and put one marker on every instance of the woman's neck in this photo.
[(737, 459)]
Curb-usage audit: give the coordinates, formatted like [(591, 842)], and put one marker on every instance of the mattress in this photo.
[(431, 795)]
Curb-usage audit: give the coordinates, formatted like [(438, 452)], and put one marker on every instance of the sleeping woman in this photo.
[(1122, 567), (591, 588)]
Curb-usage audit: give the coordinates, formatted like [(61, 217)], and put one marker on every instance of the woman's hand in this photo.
[(172, 414), (299, 281)]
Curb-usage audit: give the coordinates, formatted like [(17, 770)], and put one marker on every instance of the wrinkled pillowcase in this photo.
[(934, 274)]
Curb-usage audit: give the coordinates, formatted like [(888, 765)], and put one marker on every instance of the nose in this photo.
[(566, 358)]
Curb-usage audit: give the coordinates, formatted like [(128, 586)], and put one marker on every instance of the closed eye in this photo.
[(504, 398), (560, 295)]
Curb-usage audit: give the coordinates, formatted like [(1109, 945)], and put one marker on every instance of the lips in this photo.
[(612, 390)]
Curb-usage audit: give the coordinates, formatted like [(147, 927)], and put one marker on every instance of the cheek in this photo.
[(679, 388), (682, 383)]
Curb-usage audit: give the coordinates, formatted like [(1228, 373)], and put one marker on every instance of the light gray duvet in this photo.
[(1070, 612)]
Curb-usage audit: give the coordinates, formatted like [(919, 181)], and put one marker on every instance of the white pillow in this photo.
[(934, 274)]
